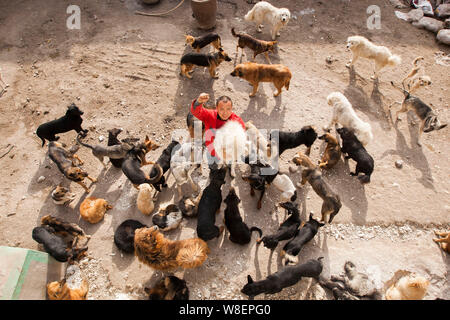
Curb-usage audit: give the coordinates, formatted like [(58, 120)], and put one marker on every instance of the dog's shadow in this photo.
[(412, 155), (255, 112), (371, 106), (349, 189)]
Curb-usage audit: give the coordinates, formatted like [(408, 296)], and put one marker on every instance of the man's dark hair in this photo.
[(224, 99)]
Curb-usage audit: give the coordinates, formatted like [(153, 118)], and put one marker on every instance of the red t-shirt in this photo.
[(211, 120)]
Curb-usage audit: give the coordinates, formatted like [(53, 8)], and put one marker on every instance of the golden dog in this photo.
[(255, 73), (93, 209), (163, 254), (443, 242), (59, 290)]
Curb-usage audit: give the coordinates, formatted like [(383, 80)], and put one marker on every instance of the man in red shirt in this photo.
[(213, 119)]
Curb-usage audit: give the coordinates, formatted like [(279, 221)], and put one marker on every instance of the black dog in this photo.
[(164, 162), (169, 288), (112, 141), (210, 204), (70, 121), (56, 246), (303, 236), (287, 229), (355, 150), (124, 235), (239, 232), (286, 277), (288, 140)]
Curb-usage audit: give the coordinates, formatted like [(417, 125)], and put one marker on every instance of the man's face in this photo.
[(224, 109)]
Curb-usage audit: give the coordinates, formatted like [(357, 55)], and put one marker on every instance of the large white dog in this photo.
[(363, 48), (265, 12), (344, 114)]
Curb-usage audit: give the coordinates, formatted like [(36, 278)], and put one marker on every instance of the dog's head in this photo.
[(335, 97), (432, 123), (252, 289), (315, 223), (310, 134), (301, 160), (284, 15), (222, 55), (271, 45), (189, 39), (291, 207), (145, 188), (424, 81), (150, 144), (238, 71), (345, 133), (61, 192), (328, 138), (413, 287), (115, 131), (232, 198), (218, 174), (73, 110), (169, 288), (76, 174), (353, 42)]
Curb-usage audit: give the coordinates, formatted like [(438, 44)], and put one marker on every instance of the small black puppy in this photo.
[(239, 232), (112, 141), (164, 163), (287, 229), (210, 204), (288, 140), (70, 121), (355, 150), (303, 236), (286, 277), (55, 245), (124, 235)]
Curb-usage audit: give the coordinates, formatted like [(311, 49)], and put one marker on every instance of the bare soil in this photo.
[(122, 70)]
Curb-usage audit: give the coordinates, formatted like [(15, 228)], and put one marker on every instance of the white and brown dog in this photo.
[(182, 164), (265, 12), (344, 114), (363, 48)]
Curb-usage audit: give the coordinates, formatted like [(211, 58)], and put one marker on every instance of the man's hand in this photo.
[(203, 98)]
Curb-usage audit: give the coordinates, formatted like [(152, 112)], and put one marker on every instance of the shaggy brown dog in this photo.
[(255, 73), (443, 242), (93, 209), (59, 290), (332, 152), (163, 254)]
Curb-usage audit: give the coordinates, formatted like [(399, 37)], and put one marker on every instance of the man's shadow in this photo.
[(262, 120), (412, 155), (371, 106)]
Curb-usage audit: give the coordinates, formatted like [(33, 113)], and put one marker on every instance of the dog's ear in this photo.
[(249, 279), (442, 126), (147, 138), (321, 224)]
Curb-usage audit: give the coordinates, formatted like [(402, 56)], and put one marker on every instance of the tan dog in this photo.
[(443, 242), (211, 61), (197, 43), (69, 288), (145, 199), (255, 73), (416, 78), (409, 287), (163, 254), (93, 209), (258, 140), (256, 45), (332, 152)]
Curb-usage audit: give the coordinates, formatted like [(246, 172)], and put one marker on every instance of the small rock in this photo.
[(40, 179), (293, 169), (429, 24), (101, 138), (444, 36), (399, 164)]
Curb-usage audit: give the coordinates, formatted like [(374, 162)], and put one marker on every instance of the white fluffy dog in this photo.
[(182, 165), (409, 287), (265, 12), (363, 48), (344, 114), (283, 183), (259, 141), (144, 199)]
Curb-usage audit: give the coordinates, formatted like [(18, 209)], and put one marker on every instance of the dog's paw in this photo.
[(348, 65), (353, 174), (419, 144)]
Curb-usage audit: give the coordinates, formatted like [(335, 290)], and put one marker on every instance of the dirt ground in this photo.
[(122, 71)]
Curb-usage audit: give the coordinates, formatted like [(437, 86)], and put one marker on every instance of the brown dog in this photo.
[(65, 160), (416, 77), (332, 152), (255, 73), (210, 61), (93, 209), (443, 242), (257, 46), (197, 43), (331, 200), (163, 254), (59, 290)]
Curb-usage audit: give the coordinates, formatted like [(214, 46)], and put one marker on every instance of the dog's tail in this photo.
[(158, 176), (43, 141), (257, 230), (394, 60), (193, 255), (234, 33), (364, 179), (84, 144), (416, 61), (250, 15)]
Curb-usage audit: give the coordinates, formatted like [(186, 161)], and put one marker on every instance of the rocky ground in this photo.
[(122, 71)]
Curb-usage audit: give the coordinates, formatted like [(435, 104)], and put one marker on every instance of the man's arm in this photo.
[(199, 111)]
